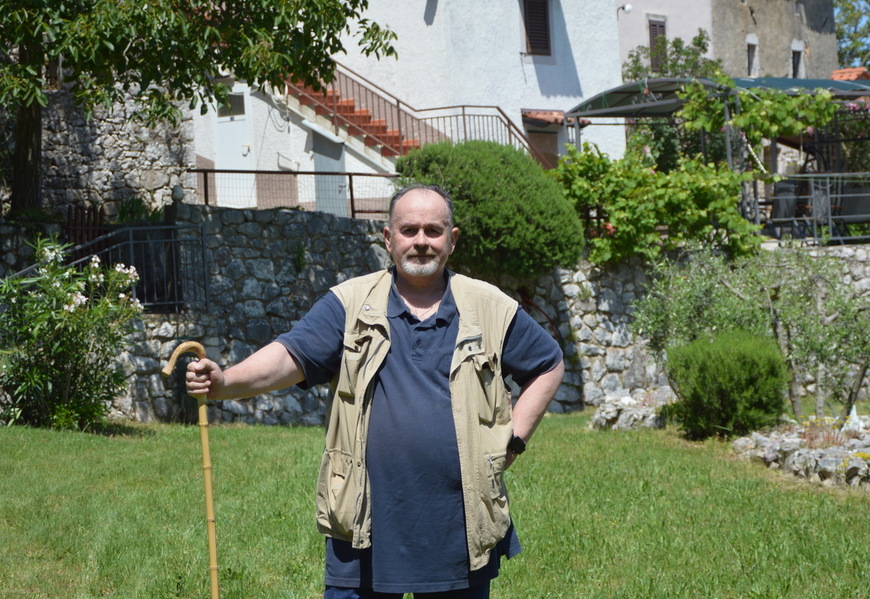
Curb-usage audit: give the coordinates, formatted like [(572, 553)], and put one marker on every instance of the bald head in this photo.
[(436, 189)]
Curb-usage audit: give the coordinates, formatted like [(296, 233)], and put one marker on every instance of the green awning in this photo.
[(658, 97)]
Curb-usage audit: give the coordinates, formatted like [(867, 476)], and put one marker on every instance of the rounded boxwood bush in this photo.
[(731, 385), (512, 215)]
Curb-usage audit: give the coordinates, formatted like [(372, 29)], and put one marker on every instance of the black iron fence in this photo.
[(170, 261), (354, 195)]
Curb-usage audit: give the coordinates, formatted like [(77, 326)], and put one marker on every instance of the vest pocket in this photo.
[(494, 404), (336, 493), (497, 506), (352, 360)]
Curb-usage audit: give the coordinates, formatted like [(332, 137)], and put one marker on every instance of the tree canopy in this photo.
[(163, 52), (665, 139), (852, 23)]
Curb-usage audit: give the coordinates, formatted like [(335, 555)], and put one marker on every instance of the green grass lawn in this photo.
[(600, 515)]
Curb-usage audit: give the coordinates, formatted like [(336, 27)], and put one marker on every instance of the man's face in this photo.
[(419, 236)]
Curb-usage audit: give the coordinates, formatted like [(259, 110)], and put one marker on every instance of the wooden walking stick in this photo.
[(199, 350)]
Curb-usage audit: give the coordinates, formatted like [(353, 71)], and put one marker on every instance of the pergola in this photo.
[(658, 97), (651, 98)]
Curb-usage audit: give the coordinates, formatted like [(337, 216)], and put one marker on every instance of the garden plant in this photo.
[(512, 217), (796, 297), (730, 383), (61, 329), (633, 210)]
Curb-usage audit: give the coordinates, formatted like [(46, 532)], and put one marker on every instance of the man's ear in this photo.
[(387, 237), (454, 236)]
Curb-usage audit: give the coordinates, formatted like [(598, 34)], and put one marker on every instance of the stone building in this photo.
[(752, 38)]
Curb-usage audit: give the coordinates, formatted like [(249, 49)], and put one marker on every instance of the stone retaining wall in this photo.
[(108, 159), (267, 267)]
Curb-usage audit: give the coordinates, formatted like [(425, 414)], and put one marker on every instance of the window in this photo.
[(752, 55), (536, 14), (751, 59), (798, 67), (234, 107), (657, 48)]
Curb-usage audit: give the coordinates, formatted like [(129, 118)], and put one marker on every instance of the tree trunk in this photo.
[(853, 392), (821, 396), (27, 160), (781, 335)]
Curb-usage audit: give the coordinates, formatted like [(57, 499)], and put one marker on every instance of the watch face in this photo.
[(517, 445)]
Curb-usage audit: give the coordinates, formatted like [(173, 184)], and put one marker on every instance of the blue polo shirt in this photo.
[(418, 524)]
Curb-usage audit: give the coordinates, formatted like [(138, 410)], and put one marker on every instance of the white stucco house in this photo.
[(465, 69)]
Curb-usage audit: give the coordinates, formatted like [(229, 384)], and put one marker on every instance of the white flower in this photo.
[(75, 301), (130, 271), (95, 261)]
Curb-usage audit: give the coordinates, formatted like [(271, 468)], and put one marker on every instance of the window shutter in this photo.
[(537, 19), (656, 30)]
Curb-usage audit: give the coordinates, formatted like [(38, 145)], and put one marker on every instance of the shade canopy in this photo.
[(658, 97)]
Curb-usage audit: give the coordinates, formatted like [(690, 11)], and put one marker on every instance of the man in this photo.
[(420, 429)]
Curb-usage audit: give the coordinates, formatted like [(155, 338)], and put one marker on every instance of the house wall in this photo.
[(777, 25), (279, 139), (781, 27), (683, 19), (472, 52)]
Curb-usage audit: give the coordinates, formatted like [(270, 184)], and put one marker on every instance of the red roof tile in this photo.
[(850, 74)]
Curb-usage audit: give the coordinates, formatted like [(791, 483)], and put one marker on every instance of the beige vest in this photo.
[(481, 411)]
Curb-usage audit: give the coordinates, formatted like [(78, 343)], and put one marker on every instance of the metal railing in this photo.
[(354, 195), (362, 108), (822, 207), (170, 261)]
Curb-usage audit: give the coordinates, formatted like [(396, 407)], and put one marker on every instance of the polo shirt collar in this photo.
[(396, 306)]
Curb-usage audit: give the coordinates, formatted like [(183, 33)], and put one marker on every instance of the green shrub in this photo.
[(731, 385), (801, 298), (512, 217), (60, 332)]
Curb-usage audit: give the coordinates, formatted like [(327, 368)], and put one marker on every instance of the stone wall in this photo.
[(110, 158), (267, 267)]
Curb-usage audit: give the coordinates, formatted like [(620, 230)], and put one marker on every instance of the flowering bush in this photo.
[(60, 331)]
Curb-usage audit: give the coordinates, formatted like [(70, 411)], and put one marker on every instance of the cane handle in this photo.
[(193, 347)]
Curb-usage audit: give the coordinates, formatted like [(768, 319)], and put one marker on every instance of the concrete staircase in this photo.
[(348, 119), (382, 127)]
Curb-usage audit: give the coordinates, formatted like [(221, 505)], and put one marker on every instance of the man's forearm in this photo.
[(269, 369)]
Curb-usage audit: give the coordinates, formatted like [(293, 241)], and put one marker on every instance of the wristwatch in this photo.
[(517, 445)]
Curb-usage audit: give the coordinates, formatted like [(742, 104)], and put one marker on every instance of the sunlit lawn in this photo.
[(600, 515)]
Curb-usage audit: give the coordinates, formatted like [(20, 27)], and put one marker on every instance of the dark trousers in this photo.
[(480, 591)]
